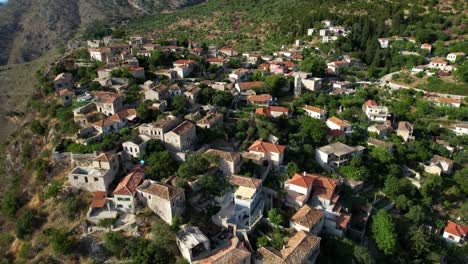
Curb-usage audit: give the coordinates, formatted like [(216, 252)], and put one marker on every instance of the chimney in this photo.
[(304, 173)]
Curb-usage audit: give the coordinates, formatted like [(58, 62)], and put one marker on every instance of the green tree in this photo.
[(262, 242), (180, 104), (462, 180), (383, 231), (462, 72), (292, 169), (391, 187), (275, 217), (114, 243), (222, 99), (161, 165), (315, 65), (416, 214), (361, 255), (59, 240), (418, 238)]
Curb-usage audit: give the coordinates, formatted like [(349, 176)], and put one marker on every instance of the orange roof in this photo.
[(129, 184), (260, 146), (99, 200), (438, 61), (259, 98), (338, 121), (250, 85), (267, 110), (66, 92), (456, 229), (445, 100), (370, 103), (304, 181), (215, 60), (343, 220), (314, 109), (184, 62)]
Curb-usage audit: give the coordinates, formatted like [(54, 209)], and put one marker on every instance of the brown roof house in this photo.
[(97, 177), (125, 192), (101, 208), (182, 137), (308, 219), (165, 200), (229, 161), (302, 248)]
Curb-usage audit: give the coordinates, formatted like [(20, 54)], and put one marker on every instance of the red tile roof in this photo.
[(343, 221), (304, 181), (314, 109), (99, 200), (129, 184), (249, 85), (215, 60), (456, 229), (260, 146), (338, 121), (184, 62)]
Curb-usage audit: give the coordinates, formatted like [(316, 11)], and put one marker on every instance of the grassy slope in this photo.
[(16, 87)]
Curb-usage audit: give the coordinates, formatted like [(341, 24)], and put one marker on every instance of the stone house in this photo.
[(157, 129), (125, 192), (405, 130), (273, 111), (136, 146), (439, 165), (301, 248), (211, 120), (165, 200), (63, 81), (234, 252), (229, 161), (182, 137), (192, 94), (66, 96), (261, 99), (97, 177), (192, 243), (108, 103), (375, 112)]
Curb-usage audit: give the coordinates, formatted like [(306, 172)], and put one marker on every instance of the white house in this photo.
[(192, 243), (125, 192), (405, 130), (336, 154), (438, 64), (375, 112), (315, 112), (461, 129), (304, 79), (165, 200), (136, 146), (268, 151), (455, 233), (452, 57), (334, 123)]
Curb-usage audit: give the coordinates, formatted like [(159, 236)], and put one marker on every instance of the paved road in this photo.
[(387, 81)]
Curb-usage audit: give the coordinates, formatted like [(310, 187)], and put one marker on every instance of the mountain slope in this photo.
[(29, 28)]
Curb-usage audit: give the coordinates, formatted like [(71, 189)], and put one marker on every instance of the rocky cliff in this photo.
[(29, 28)]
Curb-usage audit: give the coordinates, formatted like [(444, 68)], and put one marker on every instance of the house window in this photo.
[(75, 177), (96, 179), (86, 179)]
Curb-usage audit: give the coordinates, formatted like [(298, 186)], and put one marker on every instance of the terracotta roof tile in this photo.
[(260, 146), (307, 216), (129, 183), (456, 229)]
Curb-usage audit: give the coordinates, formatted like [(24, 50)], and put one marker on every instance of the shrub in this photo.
[(107, 222), (25, 224), (72, 208), (59, 240)]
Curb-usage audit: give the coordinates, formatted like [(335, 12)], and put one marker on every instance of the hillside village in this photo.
[(248, 157)]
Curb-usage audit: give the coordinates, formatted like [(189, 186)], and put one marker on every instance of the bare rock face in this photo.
[(29, 28)]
